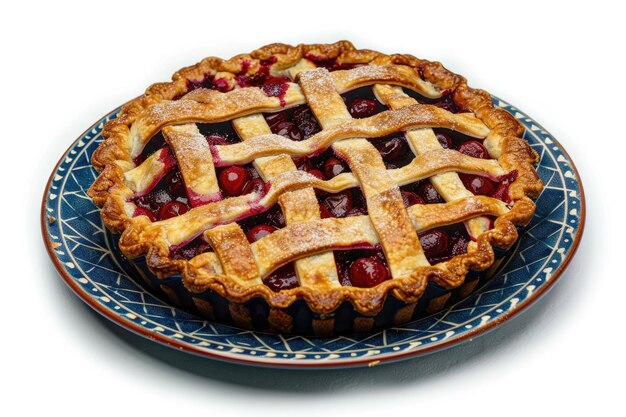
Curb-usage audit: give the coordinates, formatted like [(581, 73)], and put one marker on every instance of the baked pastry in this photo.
[(313, 178)]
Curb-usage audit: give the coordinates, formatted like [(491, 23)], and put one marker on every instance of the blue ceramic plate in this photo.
[(86, 259)]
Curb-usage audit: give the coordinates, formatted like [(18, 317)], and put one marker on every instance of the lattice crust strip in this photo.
[(423, 141), (235, 267), (298, 206)]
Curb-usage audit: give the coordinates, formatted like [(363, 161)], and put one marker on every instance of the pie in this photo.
[(300, 188)]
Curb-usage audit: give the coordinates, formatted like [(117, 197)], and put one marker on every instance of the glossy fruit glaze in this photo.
[(361, 267)]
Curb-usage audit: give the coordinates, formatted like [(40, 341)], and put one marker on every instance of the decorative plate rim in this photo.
[(340, 362)]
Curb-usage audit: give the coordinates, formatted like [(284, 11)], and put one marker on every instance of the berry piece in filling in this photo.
[(435, 243), (255, 185), (429, 194), (221, 133), (275, 216), (282, 279), (233, 180), (305, 120), (445, 102), (273, 119), (215, 139), (191, 249), (276, 87), (338, 204), (458, 242), (363, 268), (329, 64), (474, 148), (392, 150), (259, 232), (476, 184), (141, 211), (172, 209), (411, 198), (318, 174), (222, 85), (362, 103), (443, 243), (368, 272), (170, 188), (444, 139), (288, 130), (333, 167), (362, 107)]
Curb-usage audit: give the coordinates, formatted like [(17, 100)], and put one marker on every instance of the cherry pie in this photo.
[(317, 183)]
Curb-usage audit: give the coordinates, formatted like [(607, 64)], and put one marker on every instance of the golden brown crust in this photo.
[(140, 237)]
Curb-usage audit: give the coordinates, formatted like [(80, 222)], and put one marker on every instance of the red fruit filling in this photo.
[(271, 85), (282, 279), (474, 149), (346, 203), (172, 209), (190, 249), (334, 166), (141, 211), (329, 64), (410, 198), (361, 108), (429, 194), (445, 102), (296, 124), (362, 103), (443, 243), (170, 188), (154, 144), (502, 190), (444, 139), (255, 185), (260, 231), (368, 272), (221, 133), (238, 180), (356, 267), (363, 268), (477, 185), (394, 150), (233, 180)]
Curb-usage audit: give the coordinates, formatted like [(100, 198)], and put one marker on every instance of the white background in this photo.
[(65, 65)]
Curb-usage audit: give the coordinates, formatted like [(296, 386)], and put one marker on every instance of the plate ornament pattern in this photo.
[(85, 256)]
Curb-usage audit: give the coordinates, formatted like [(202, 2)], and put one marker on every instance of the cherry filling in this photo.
[(206, 82), (261, 225), (221, 133), (329, 64), (190, 249), (296, 124), (363, 268), (350, 202), (154, 144), (237, 180), (394, 150), (362, 103), (444, 102), (271, 85), (443, 243), (167, 199), (476, 184)]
